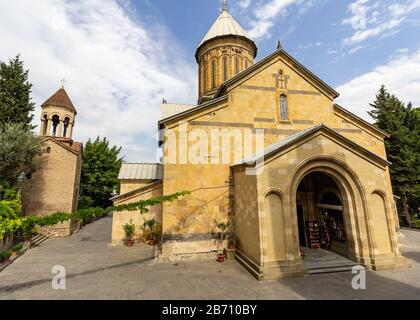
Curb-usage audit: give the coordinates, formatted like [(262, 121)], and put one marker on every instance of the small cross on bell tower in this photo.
[(63, 83)]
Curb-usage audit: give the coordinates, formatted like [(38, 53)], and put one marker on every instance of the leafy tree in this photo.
[(18, 150), (100, 168), (15, 90), (403, 147)]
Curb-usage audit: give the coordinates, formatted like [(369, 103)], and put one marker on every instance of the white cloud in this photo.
[(267, 12), (371, 18), (244, 4), (118, 69), (401, 75), (354, 50)]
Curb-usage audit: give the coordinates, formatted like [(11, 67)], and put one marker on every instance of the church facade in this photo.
[(55, 185), (269, 151)]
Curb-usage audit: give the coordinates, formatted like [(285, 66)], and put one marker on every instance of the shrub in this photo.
[(151, 229), (85, 203), (16, 247), (129, 229), (5, 255), (415, 224), (6, 210), (86, 216)]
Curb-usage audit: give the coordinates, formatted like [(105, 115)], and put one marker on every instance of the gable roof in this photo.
[(141, 171), (192, 110), (74, 147), (60, 99), (280, 51), (352, 115), (137, 191), (284, 143)]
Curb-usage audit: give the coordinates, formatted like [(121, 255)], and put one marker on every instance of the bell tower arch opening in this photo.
[(58, 116)]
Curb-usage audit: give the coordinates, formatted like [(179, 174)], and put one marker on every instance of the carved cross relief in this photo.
[(281, 80)]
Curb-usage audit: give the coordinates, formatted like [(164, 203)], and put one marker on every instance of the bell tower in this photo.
[(226, 50), (58, 116)]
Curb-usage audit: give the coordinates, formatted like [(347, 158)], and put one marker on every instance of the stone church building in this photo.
[(55, 185), (317, 176)]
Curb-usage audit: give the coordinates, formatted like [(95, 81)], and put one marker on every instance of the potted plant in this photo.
[(154, 235), (129, 229), (151, 231), (222, 226)]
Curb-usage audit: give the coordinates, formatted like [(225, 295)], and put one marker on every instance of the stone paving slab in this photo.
[(96, 270)]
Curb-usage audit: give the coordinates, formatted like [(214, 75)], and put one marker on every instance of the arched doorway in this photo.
[(320, 214)]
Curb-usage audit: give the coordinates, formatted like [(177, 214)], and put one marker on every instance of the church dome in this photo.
[(226, 25), (225, 51)]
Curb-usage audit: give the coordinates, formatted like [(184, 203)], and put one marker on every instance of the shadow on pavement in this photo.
[(33, 283), (338, 286)]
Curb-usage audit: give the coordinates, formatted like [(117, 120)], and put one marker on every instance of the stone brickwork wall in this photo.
[(252, 103), (369, 208), (121, 218), (54, 187)]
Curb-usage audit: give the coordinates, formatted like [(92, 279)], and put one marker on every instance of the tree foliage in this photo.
[(403, 147), (15, 90), (18, 149), (100, 168)]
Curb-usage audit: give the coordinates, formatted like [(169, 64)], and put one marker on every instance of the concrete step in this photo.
[(38, 239), (331, 269)]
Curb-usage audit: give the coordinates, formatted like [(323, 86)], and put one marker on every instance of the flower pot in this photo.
[(221, 257), (151, 242), (15, 254), (129, 243)]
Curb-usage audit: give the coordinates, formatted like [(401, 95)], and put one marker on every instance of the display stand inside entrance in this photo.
[(314, 234)]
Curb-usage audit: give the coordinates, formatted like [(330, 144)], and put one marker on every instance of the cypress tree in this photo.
[(15, 94), (402, 123)]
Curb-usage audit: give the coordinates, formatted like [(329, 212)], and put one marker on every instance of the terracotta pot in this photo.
[(151, 242), (14, 254), (221, 257), (129, 243)]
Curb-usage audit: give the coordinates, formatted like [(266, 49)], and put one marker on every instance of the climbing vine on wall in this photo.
[(11, 222)]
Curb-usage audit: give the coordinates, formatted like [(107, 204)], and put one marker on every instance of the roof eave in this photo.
[(301, 67), (201, 45), (380, 131), (310, 132)]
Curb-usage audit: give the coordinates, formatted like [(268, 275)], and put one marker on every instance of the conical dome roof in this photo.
[(60, 99), (225, 25)]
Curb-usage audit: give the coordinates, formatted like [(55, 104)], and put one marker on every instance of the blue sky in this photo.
[(121, 57)]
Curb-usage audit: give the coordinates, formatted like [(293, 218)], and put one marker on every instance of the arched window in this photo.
[(66, 126), (225, 66), (236, 65), (284, 113), (204, 76), (55, 123), (45, 127), (213, 74)]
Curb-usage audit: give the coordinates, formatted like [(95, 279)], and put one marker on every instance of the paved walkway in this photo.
[(98, 271)]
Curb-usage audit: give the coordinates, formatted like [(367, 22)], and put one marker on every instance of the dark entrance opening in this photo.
[(301, 226), (320, 216)]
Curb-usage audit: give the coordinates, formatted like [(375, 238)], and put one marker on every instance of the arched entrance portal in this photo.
[(321, 220)]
